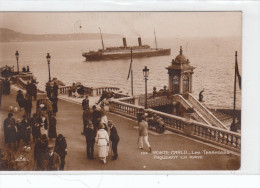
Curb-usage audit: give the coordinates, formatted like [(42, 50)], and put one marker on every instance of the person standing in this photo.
[(27, 131), (54, 160), (7, 123), (34, 91), (102, 140), (10, 131), (20, 99), (48, 90), (6, 88), (28, 106), (114, 139), (39, 151), (28, 69), (52, 127), (24, 131), (54, 101), (61, 149), (48, 104), (36, 131), (85, 103), (55, 90), (43, 125), (143, 134), (96, 117), (139, 115), (90, 134), (87, 118)]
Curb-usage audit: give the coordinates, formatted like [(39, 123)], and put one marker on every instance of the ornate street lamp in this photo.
[(146, 74), (48, 57), (17, 57)]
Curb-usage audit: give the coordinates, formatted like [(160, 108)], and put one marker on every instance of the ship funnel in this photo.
[(124, 42), (139, 41)]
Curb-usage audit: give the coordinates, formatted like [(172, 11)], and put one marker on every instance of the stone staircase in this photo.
[(224, 118)]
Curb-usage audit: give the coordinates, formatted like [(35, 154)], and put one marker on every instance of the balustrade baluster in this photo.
[(227, 140), (231, 140), (223, 137), (199, 132), (206, 132), (236, 143), (214, 135)]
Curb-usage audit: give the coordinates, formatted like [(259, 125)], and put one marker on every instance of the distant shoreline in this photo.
[(8, 35)]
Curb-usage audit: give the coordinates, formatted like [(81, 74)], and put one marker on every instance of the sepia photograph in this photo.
[(120, 91)]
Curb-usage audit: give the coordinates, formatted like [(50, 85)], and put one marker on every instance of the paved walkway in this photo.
[(169, 150)]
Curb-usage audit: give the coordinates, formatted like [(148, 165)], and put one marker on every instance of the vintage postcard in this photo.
[(84, 91)]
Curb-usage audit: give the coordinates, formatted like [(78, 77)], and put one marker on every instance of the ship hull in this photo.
[(126, 55)]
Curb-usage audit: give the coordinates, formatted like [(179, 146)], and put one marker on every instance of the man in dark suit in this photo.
[(114, 139), (85, 103)]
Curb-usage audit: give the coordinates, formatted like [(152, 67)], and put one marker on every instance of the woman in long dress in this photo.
[(102, 140)]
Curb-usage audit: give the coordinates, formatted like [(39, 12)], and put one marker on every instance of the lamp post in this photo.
[(48, 57), (146, 74), (17, 57)]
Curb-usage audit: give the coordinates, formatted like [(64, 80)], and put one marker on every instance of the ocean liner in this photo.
[(124, 52)]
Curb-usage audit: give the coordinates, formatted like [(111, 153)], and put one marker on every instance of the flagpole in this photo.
[(132, 79), (235, 81)]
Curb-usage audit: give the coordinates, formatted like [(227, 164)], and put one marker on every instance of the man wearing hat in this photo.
[(39, 151), (85, 103), (90, 134), (54, 161), (61, 149), (87, 118), (114, 139)]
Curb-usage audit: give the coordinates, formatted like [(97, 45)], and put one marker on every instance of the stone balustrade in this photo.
[(205, 112), (64, 89), (93, 91), (200, 131)]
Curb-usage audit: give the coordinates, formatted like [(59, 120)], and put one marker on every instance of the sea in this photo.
[(214, 59)]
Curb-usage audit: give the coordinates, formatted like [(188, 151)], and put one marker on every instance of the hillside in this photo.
[(7, 35)]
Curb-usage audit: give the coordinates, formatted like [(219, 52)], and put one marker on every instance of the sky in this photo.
[(128, 24)]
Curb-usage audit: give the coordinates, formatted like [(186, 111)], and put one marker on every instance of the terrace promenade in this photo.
[(171, 151)]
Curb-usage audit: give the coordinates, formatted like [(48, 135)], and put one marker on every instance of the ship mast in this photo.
[(101, 39), (155, 40)]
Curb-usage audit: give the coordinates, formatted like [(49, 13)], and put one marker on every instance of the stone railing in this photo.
[(120, 95), (205, 112), (190, 128), (129, 100), (64, 89), (90, 90), (99, 91)]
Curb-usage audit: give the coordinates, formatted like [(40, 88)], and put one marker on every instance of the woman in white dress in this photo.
[(102, 140)]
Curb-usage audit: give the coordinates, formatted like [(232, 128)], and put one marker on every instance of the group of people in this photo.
[(31, 89), (76, 90), (95, 129), (27, 69), (46, 157), (49, 157), (161, 92), (156, 122)]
